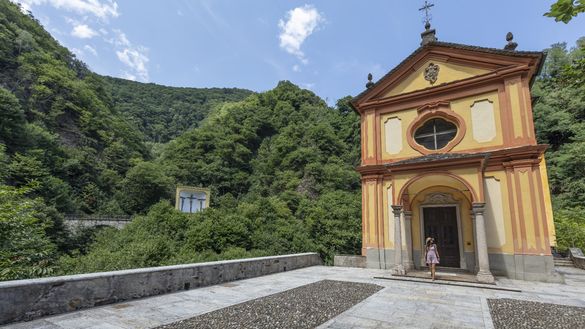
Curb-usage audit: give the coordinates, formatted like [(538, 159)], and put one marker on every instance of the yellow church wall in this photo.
[(461, 106), (507, 246), (368, 137), (547, 202), (447, 72), (530, 221), (513, 89), (405, 117), (472, 177), (388, 216), (372, 232)]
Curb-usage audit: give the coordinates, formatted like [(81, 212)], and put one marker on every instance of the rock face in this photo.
[(28, 299)]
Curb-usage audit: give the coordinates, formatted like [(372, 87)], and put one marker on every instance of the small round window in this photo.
[(435, 133)]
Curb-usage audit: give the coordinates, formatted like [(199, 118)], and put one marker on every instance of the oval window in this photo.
[(435, 133)]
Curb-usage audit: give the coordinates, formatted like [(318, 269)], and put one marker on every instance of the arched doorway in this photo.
[(440, 206)]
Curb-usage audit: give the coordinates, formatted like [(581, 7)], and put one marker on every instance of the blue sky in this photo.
[(326, 46)]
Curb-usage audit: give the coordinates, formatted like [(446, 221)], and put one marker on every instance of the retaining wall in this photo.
[(577, 257), (23, 300)]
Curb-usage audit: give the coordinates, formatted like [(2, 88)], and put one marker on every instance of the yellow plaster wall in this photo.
[(472, 177), (447, 72), (508, 246), (406, 117), (370, 133), (547, 202), (388, 215), (460, 106), (513, 90), (371, 214), (527, 208)]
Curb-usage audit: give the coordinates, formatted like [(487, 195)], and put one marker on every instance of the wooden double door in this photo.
[(440, 223)]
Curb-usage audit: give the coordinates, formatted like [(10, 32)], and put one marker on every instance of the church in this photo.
[(448, 150)]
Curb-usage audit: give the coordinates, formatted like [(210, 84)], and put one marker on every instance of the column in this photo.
[(476, 267), (408, 262), (398, 267), (484, 274)]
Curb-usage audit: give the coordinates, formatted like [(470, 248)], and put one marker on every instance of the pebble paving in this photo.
[(520, 314), (303, 307)]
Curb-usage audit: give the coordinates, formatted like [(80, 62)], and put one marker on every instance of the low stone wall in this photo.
[(349, 261), (23, 300), (577, 257)]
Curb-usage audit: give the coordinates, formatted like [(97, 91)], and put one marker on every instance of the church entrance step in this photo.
[(563, 262)]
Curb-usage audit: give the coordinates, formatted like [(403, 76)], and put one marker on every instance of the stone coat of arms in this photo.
[(431, 73)]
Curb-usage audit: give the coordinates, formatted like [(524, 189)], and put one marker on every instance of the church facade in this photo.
[(449, 151)]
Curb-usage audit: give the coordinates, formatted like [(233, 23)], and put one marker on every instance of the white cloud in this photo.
[(128, 76), (300, 23), (296, 68), (78, 52), (90, 49), (83, 31), (135, 58), (101, 9), (121, 39)]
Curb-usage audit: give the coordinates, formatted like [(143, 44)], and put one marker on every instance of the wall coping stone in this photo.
[(95, 275), (24, 300)]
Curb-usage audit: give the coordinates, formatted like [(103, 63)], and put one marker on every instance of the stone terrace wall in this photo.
[(23, 300), (577, 257)]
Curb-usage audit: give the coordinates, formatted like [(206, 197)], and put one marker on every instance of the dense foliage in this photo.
[(565, 10), (280, 167), (559, 116), (25, 249), (162, 113)]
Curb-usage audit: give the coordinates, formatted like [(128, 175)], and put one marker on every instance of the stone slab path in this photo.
[(401, 304)]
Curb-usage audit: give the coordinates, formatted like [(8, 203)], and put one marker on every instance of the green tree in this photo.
[(25, 250), (144, 185), (565, 10), (12, 123)]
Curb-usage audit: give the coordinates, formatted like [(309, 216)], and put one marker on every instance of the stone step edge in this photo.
[(449, 283)]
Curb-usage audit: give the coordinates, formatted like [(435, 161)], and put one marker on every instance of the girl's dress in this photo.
[(432, 255)]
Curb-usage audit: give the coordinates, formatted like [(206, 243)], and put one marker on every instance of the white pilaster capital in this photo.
[(478, 208), (396, 210)]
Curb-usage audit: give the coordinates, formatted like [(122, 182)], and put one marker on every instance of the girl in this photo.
[(431, 255)]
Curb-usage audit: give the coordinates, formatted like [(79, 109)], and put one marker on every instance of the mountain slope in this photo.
[(163, 113)]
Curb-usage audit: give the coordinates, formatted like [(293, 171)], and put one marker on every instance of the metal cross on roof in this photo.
[(426, 8)]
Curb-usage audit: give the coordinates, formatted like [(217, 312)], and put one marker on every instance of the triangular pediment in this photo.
[(439, 71), (452, 63)]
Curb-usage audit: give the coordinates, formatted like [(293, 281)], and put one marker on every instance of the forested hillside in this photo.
[(559, 116), (281, 169), (162, 113), (65, 137), (280, 164)]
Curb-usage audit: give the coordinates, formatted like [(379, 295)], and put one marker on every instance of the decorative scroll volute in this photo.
[(439, 198)]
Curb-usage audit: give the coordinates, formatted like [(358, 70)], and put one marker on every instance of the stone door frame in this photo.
[(462, 263)]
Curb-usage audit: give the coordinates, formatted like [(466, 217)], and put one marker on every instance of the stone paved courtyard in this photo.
[(401, 304)]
